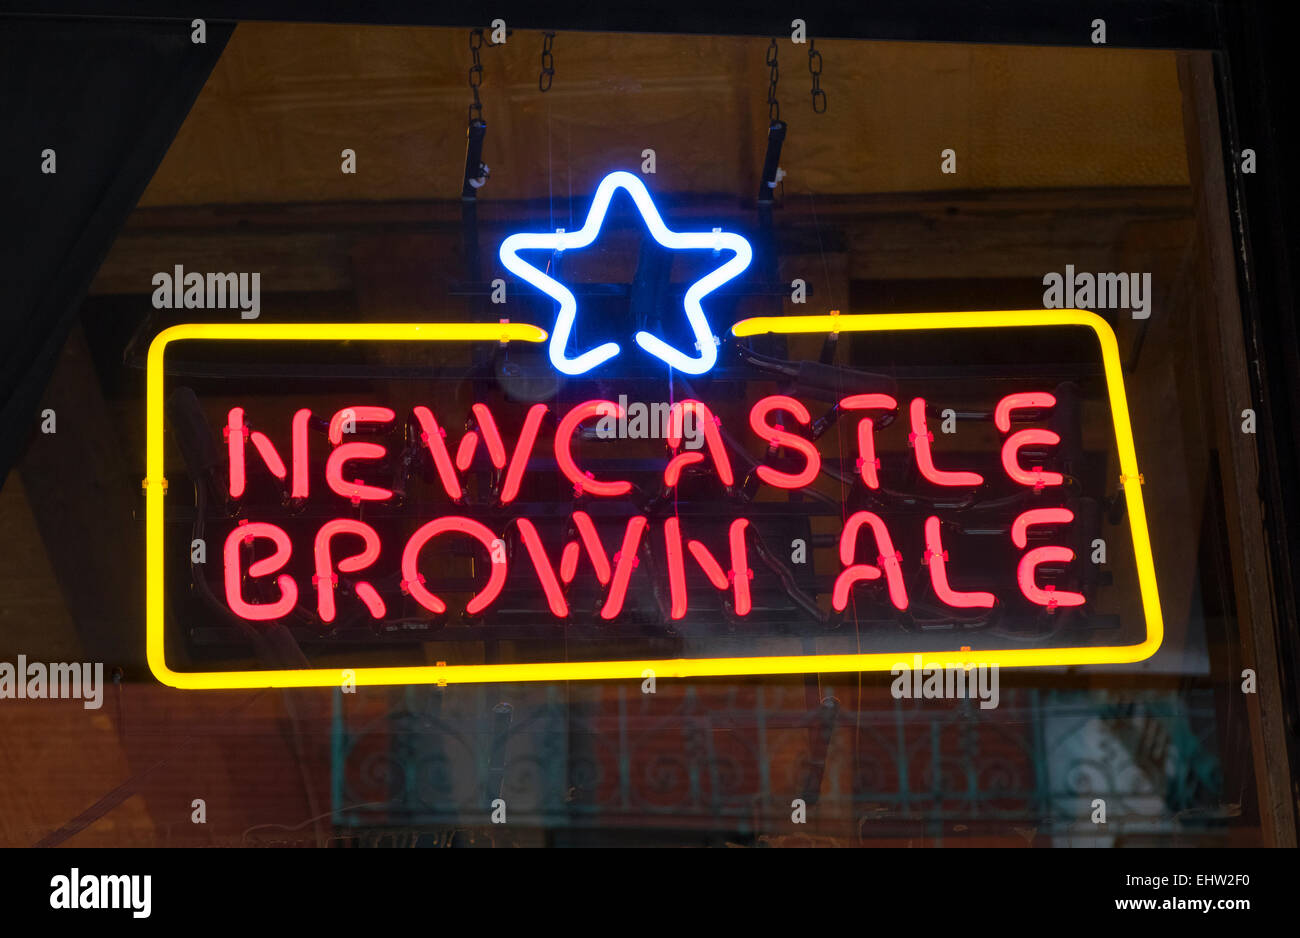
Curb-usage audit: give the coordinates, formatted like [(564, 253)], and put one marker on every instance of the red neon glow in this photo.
[(1024, 400), (595, 551), (868, 462), (624, 562), (465, 452), (413, 581), (738, 577), (868, 402), (937, 559), (617, 578), (259, 612), (301, 486), (708, 563), (853, 573), (676, 567), (238, 436), (363, 413), (673, 471), (1019, 527), (775, 436), (523, 450), (345, 452), (433, 436), (1036, 478), (740, 572), (357, 490), (266, 450), (1049, 597), (491, 437), (921, 439), (564, 444), (614, 572), (712, 439), (545, 572), (326, 580), (569, 562)]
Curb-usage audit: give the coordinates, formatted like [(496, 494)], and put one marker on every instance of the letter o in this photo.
[(450, 524)]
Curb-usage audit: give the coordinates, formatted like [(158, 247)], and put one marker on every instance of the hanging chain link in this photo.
[(815, 69), (475, 74), (548, 64), (774, 74)]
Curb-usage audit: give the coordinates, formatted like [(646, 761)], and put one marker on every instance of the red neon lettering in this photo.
[(673, 471), (738, 577), (937, 559), (868, 462), (326, 579), (545, 572), (413, 581), (1025, 400), (465, 452), (1050, 597), (487, 425), (344, 452), (595, 551), (564, 453), (1037, 477), (238, 435), (921, 439), (357, 491), (624, 562), (491, 436), (259, 612), (1019, 527), (616, 578), (853, 573), (300, 487), (360, 414), (1029, 563), (712, 438), (434, 437), (523, 448), (776, 436)]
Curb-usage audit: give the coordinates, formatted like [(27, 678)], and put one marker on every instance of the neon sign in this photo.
[(717, 240), (617, 537)]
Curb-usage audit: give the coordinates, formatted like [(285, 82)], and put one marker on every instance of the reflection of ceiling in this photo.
[(284, 100)]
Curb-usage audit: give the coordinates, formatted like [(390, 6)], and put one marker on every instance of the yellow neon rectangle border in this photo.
[(155, 490)]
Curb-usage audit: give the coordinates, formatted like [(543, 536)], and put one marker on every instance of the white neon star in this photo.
[(562, 240)]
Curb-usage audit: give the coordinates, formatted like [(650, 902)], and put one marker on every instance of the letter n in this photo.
[(737, 577), (239, 435)]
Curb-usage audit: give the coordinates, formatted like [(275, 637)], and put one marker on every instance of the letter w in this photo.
[(615, 577), (435, 438)]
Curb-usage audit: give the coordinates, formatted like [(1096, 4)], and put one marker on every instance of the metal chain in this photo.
[(475, 74), (774, 74), (815, 69), (548, 64)]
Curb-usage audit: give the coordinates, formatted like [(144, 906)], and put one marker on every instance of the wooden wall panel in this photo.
[(284, 100)]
